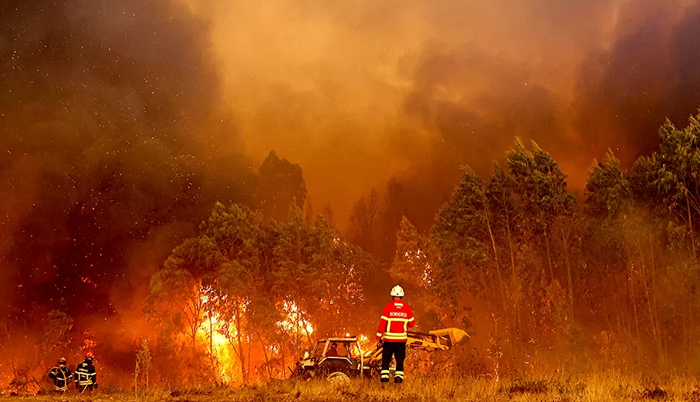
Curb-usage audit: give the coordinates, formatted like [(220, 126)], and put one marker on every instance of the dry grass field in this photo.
[(608, 387)]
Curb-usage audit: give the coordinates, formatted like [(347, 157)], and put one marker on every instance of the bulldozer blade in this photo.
[(455, 335), (439, 339)]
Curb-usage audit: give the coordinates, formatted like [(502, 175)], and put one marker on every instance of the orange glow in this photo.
[(295, 322), (365, 343), (89, 343), (221, 351), (125, 124)]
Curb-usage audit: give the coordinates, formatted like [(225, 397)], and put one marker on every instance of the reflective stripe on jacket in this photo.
[(85, 374), (60, 378), (396, 318)]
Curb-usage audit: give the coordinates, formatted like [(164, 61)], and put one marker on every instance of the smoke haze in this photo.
[(361, 92), (121, 123), (113, 138)]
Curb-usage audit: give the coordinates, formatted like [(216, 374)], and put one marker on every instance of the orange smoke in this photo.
[(122, 123), (359, 93)]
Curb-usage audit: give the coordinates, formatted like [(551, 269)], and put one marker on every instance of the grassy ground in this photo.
[(595, 388)]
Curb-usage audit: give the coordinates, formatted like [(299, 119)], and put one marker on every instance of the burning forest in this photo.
[(200, 193)]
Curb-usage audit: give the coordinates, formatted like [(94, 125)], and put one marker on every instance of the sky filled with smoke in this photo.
[(121, 123), (114, 145), (358, 92)]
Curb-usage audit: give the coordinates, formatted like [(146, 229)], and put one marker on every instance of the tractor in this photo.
[(341, 358)]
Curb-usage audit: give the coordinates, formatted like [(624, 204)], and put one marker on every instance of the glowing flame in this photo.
[(89, 342), (295, 322), (221, 354), (365, 343), (220, 337)]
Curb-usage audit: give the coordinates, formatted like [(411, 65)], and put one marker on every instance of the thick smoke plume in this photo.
[(121, 123), (651, 71), (361, 92), (114, 145)]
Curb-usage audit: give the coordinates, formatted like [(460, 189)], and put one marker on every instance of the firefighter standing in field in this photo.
[(396, 318), (85, 374), (61, 377)]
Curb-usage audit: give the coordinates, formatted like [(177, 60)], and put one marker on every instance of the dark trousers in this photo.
[(398, 351)]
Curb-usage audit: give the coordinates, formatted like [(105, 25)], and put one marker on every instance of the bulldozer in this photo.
[(341, 358)]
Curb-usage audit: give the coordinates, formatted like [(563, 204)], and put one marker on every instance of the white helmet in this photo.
[(397, 291)]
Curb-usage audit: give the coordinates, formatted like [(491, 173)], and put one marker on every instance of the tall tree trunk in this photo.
[(549, 255), (636, 321), (308, 335), (655, 303), (495, 257), (284, 364), (504, 303), (194, 342), (513, 286), (632, 297), (241, 350), (247, 340), (193, 313), (655, 330), (211, 336), (512, 252), (267, 359), (690, 223), (565, 242)]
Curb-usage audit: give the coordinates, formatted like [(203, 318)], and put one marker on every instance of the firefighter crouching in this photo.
[(85, 375), (61, 376), (396, 318)]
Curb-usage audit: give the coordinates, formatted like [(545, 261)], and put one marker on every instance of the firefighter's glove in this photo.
[(380, 343)]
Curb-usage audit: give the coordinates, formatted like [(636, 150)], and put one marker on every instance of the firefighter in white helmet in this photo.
[(396, 318)]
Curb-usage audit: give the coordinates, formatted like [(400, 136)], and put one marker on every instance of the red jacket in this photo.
[(396, 318)]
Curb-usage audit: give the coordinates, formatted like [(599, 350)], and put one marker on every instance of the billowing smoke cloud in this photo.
[(577, 77), (651, 71), (113, 146), (361, 92), (117, 128)]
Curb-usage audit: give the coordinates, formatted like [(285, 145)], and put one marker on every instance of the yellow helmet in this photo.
[(397, 291)]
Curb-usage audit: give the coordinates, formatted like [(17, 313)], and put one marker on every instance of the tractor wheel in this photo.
[(338, 377), (329, 367)]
